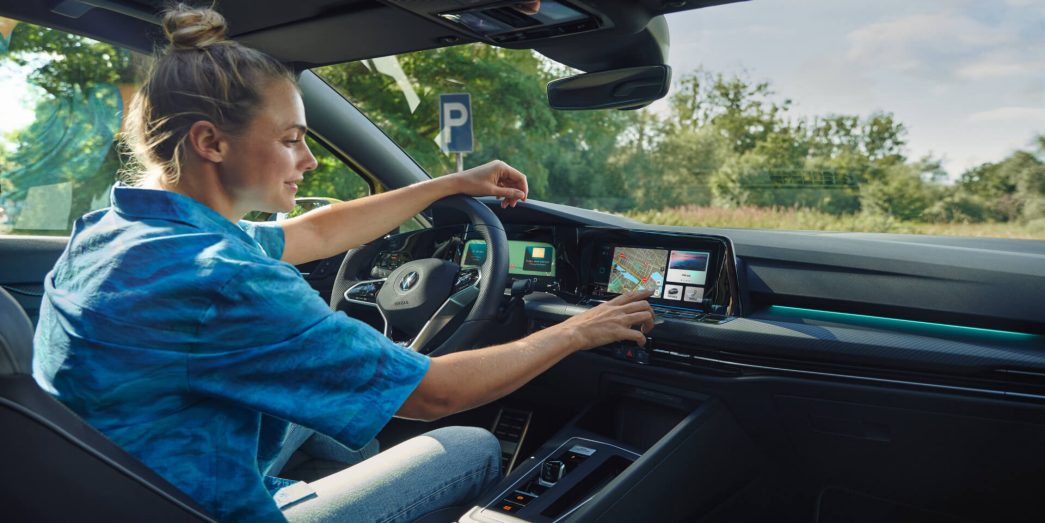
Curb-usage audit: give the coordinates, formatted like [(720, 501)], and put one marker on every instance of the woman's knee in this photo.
[(470, 440)]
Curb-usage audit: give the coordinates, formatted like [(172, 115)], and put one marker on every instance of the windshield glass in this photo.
[(923, 118)]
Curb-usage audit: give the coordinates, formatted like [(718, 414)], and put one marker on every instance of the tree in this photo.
[(1013, 188), (78, 112)]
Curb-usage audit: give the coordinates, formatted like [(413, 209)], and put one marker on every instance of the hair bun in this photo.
[(190, 27)]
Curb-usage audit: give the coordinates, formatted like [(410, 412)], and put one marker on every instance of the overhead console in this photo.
[(507, 22)]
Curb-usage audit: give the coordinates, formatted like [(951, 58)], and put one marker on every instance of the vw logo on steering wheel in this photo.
[(409, 281)]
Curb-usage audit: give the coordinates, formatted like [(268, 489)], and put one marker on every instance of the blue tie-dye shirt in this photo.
[(182, 337)]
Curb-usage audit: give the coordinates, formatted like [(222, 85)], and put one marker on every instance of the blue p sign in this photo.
[(455, 123)]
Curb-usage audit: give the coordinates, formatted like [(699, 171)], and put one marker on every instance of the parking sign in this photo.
[(455, 123)]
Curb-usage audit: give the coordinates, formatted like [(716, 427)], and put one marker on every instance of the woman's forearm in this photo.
[(465, 380), (337, 228)]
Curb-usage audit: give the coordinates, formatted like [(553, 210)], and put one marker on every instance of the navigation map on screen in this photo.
[(635, 268)]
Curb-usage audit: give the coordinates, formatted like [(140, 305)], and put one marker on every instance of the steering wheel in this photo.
[(421, 297)]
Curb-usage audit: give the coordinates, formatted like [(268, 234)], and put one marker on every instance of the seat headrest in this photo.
[(16, 337)]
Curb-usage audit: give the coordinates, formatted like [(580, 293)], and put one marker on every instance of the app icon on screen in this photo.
[(693, 294), (672, 292), (537, 259)]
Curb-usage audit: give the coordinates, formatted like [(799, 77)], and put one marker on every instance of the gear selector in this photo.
[(551, 472)]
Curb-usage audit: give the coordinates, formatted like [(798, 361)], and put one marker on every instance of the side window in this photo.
[(331, 178), (63, 100), (330, 182)]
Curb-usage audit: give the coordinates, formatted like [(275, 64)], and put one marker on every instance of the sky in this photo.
[(966, 77)]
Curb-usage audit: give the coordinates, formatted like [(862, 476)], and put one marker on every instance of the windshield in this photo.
[(923, 118)]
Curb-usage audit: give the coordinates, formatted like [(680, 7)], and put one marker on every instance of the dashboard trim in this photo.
[(888, 381)]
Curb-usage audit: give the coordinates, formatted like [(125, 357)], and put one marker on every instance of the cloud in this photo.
[(1010, 114), (992, 69), (926, 43)]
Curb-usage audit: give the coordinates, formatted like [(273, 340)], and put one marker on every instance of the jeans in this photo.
[(442, 468)]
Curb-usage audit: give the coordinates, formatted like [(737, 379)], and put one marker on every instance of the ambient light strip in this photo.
[(884, 322)]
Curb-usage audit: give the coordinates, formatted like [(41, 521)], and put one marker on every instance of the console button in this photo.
[(509, 507), (519, 498)]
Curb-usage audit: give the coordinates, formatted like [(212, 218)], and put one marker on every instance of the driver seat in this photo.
[(55, 466)]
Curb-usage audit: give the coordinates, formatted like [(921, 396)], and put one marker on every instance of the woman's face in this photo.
[(270, 157)]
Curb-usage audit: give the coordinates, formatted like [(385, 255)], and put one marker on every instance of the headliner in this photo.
[(310, 33)]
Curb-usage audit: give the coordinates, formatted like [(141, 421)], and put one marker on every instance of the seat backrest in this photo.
[(16, 337), (56, 467)]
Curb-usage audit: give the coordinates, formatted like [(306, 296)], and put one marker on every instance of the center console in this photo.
[(641, 454)]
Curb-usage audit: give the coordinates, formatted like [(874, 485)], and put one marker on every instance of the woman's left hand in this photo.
[(495, 178)]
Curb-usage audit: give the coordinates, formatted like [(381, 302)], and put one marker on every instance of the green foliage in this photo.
[(957, 207), (1013, 189), (899, 193), (726, 141), (567, 156), (68, 150), (814, 220), (331, 178), (71, 62)]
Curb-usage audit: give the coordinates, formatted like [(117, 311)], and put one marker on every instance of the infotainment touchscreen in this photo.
[(634, 268), (524, 258), (672, 275), (689, 267)]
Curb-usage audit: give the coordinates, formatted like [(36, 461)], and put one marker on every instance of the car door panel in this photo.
[(24, 263)]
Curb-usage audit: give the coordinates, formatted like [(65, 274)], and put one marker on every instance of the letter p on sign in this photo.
[(455, 123)]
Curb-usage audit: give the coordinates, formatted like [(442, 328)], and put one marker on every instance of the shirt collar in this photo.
[(166, 205)]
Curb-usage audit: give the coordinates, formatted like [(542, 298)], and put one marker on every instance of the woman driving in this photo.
[(187, 336)]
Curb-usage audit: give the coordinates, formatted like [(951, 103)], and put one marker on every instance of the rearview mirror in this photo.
[(629, 88)]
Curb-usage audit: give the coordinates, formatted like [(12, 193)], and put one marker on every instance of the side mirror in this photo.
[(303, 205), (629, 88)]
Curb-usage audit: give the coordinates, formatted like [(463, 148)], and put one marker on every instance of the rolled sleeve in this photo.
[(268, 234)]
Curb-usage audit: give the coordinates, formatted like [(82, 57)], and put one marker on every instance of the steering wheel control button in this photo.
[(466, 278), (364, 292), (551, 472)]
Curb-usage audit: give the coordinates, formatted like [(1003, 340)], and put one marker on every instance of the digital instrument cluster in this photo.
[(525, 258)]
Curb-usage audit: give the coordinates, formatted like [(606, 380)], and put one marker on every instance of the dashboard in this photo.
[(823, 330), (884, 306), (693, 277)]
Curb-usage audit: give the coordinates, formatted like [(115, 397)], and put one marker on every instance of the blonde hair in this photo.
[(201, 75)]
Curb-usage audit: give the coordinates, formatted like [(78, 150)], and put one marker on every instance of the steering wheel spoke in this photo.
[(466, 290)]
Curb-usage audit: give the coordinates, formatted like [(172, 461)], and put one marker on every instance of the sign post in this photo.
[(455, 125)]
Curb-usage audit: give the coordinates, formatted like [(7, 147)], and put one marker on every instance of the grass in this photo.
[(812, 220)]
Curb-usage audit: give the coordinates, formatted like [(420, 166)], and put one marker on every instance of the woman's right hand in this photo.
[(613, 321)]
